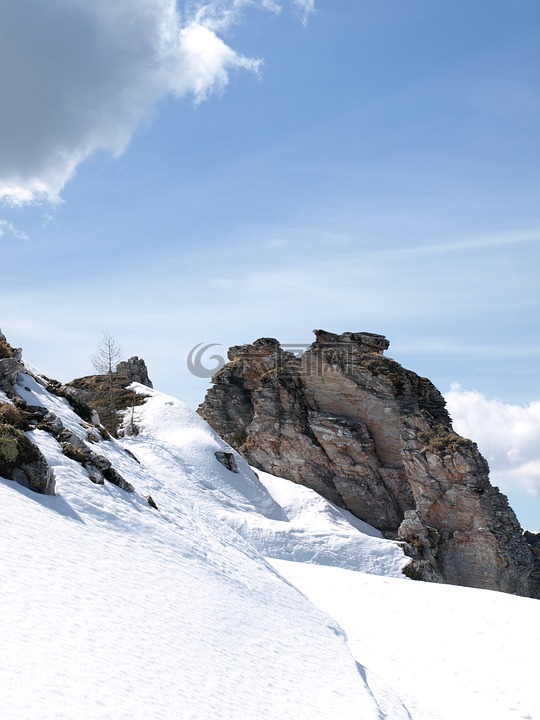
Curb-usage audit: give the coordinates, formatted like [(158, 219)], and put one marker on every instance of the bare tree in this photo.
[(107, 356)]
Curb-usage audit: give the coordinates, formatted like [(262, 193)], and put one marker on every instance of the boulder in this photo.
[(22, 461)]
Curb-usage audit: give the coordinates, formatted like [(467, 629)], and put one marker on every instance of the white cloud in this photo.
[(78, 76), (7, 228), (507, 435), (207, 61), (219, 15), (305, 8)]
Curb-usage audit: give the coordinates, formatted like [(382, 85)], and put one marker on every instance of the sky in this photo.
[(222, 170)]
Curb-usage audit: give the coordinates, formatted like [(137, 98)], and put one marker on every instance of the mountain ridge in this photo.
[(374, 438), (221, 597)]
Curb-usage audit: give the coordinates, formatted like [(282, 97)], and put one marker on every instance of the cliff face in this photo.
[(376, 439)]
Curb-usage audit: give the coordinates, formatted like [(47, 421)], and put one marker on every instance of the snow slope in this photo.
[(111, 610), (451, 653)]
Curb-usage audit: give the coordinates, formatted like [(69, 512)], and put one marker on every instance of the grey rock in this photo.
[(10, 365), (114, 477), (23, 462), (134, 370), (95, 475), (533, 539), (227, 460), (98, 467)]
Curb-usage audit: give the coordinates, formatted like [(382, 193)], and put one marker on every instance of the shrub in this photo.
[(6, 351), (442, 441), (10, 415), (15, 449), (9, 451), (390, 368)]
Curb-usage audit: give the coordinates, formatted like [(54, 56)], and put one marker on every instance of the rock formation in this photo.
[(10, 365), (376, 439), (107, 395), (20, 460), (134, 370)]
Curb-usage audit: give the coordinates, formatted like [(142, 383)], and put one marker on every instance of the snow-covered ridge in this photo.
[(278, 518), (113, 609)]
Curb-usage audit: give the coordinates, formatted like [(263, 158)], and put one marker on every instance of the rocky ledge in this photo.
[(376, 439)]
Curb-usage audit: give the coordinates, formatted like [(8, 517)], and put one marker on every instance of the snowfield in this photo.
[(232, 600)]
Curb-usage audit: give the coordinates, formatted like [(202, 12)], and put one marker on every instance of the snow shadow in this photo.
[(388, 702), (55, 503)]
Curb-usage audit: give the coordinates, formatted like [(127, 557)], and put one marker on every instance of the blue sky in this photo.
[(235, 171)]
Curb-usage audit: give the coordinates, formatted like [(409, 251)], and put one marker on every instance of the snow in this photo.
[(278, 518), (110, 609), (449, 652), (34, 393), (233, 599)]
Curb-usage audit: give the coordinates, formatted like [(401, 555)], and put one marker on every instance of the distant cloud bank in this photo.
[(77, 77), (507, 435)]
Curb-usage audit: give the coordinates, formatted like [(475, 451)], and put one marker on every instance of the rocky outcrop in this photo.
[(376, 439), (107, 395), (23, 462), (134, 370), (20, 460), (98, 467), (10, 365), (533, 540)]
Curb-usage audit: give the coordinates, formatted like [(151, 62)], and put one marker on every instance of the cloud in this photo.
[(507, 435), (78, 76), (305, 8), (7, 228)]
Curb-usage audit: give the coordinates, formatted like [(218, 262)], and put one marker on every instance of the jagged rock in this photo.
[(22, 461), (10, 365), (98, 467), (75, 399), (227, 460), (134, 370), (533, 540), (376, 439), (114, 477), (150, 500), (420, 542)]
